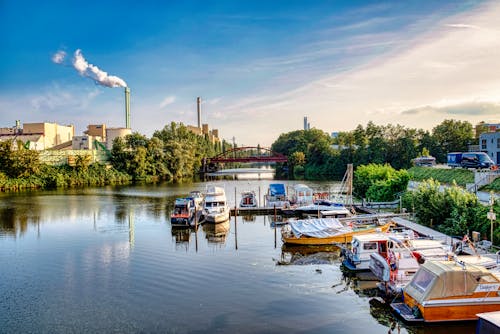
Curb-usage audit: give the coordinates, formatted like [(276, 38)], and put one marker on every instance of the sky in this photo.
[(259, 66)]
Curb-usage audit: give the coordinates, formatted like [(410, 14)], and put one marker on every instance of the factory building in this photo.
[(39, 136), (202, 129)]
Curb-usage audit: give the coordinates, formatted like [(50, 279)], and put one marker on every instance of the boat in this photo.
[(301, 195), (184, 212), (215, 207), (326, 231), (324, 208), (248, 200), (449, 291), (197, 197), (396, 267), (386, 245), (276, 196)]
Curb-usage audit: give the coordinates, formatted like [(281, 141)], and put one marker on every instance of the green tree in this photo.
[(452, 135)]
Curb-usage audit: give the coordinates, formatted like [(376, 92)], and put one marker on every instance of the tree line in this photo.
[(172, 154), (314, 154)]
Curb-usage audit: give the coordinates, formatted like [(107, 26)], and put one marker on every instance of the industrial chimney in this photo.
[(127, 107), (198, 105)]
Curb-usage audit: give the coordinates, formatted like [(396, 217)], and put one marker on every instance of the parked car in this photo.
[(479, 160), (424, 161)]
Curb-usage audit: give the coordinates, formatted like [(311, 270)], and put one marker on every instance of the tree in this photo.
[(452, 136)]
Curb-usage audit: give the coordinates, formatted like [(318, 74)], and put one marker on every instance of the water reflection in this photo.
[(306, 255), (217, 233)]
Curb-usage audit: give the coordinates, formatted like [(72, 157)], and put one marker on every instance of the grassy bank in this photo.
[(443, 175), (50, 177)]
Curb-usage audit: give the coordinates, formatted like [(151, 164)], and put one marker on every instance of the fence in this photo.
[(67, 157)]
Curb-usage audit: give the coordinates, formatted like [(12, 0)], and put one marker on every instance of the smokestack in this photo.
[(198, 105), (127, 107)]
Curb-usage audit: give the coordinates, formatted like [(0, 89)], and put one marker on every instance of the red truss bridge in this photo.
[(247, 154)]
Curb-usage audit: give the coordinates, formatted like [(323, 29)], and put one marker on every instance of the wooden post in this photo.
[(274, 213), (235, 233), (275, 242)]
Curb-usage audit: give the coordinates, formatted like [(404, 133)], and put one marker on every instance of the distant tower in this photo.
[(306, 125), (198, 105), (127, 108)]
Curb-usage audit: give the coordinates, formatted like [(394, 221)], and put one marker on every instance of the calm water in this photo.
[(107, 260)]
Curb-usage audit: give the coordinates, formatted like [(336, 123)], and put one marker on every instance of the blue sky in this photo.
[(259, 66)]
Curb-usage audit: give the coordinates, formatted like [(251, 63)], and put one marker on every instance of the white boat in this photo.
[(324, 208), (197, 197), (248, 200), (301, 195), (276, 196), (215, 207)]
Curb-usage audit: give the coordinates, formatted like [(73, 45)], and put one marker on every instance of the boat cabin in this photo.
[(357, 258), (449, 291)]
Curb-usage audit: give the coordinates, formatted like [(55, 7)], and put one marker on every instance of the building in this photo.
[(490, 144), (85, 142), (483, 127), (112, 133), (39, 136), (213, 135)]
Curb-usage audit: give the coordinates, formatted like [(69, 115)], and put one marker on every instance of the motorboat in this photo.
[(215, 207), (326, 231), (324, 208), (301, 195), (449, 291), (183, 213), (276, 196), (197, 197), (248, 200)]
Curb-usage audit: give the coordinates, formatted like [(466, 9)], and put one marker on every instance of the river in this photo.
[(100, 260)]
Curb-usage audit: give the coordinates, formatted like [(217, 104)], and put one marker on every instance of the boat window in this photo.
[(370, 246), (487, 279), (422, 279)]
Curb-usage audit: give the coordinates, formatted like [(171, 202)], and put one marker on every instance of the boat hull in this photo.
[(217, 217), (337, 239), (457, 309)]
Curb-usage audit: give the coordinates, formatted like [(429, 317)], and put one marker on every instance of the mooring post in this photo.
[(235, 232)]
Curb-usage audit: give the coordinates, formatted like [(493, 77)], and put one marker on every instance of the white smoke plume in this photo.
[(95, 73), (59, 57), (88, 70)]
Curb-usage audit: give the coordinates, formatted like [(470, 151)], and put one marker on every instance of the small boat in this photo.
[(326, 231), (276, 196), (324, 207), (248, 200), (197, 197), (183, 214), (301, 195), (449, 291), (215, 207), (386, 245)]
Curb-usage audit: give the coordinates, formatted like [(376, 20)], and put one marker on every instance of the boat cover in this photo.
[(318, 227), (276, 189)]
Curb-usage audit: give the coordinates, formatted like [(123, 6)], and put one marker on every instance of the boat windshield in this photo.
[(422, 280)]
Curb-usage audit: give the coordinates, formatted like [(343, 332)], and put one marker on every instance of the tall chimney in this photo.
[(198, 105), (127, 107)]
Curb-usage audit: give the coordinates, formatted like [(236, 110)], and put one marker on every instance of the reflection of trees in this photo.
[(15, 217)]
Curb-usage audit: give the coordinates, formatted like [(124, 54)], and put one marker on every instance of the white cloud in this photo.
[(448, 73), (166, 101)]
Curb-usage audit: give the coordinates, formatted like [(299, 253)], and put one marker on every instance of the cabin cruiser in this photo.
[(215, 207), (248, 200), (184, 212), (276, 196), (449, 291)]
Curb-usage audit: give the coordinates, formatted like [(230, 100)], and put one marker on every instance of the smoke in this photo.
[(93, 72)]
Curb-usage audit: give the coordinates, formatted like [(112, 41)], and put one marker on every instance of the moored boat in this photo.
[(215, 207), (276, 196), (248, 200), (326, 231), (449, 291), (197, 197), (183, 213)]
